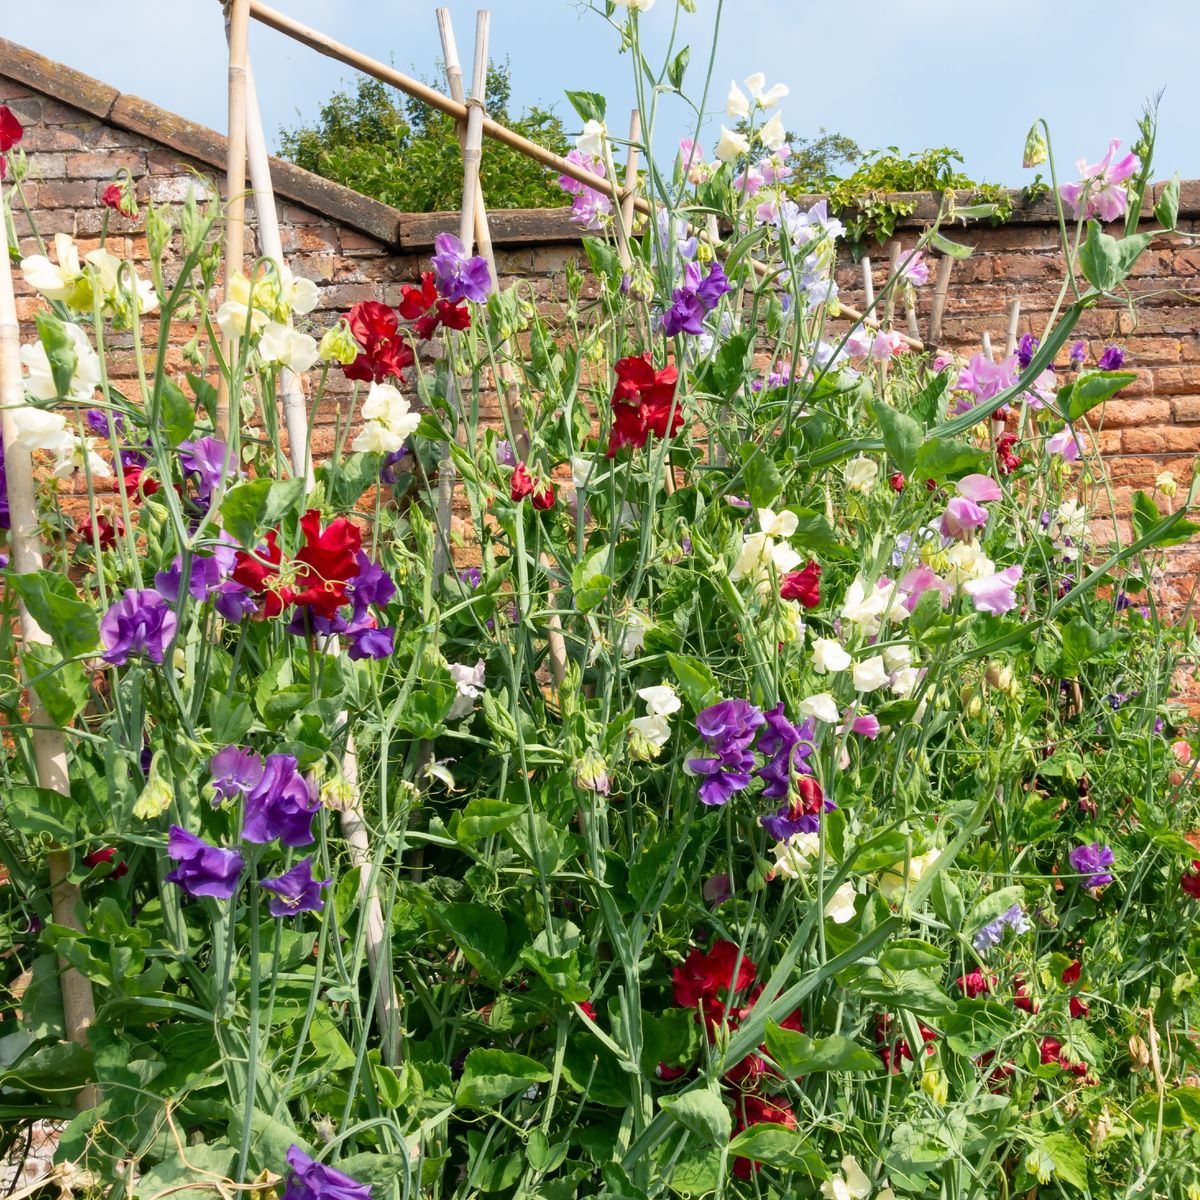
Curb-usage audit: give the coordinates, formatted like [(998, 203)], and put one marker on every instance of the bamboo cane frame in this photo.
[(49, 744), (1014, 317), (238, 25), (327, 46), (938, 308)]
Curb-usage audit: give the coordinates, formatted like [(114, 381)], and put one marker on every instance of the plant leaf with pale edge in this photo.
[(697, 683), (591, 106), (702, 1112), (1069, 1158), (60, 351), (1089, 390), (902, 436), (779, 1146), (1167, 208), (490, 1076), (53, 602), (798, 1054), (252, 507)]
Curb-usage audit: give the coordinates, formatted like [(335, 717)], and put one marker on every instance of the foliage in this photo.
[(391, 147)]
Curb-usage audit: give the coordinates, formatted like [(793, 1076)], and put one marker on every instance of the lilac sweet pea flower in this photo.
[(280, 805), (235, 771), (867, 726), (1064, 442), (141, 622), (1113, 359), (1078, 355), (1099, 192), (1091, 862), (309, 1180), (995, 594), (209, 580), (459, 277), (728, 728), (203, 870), (985, 379), (372, 643), (991, 934), (209, 461), (296, 891), (4, 514), (961, 517), (914, 269)]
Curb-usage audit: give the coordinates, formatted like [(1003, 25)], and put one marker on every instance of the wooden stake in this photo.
[(49, 745), (945, 266), (237, 26), (868, 291), (893, 283), (1014, 317), (629, 195), (986, 340)]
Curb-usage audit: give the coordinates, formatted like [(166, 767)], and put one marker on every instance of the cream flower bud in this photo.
[(731, 145), (870, 674)]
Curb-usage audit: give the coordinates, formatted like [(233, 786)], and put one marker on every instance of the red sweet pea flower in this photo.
[(423, 307), (137, 483), (115, 197), (1079, 1008), (1006, 461), (643, 402), (897, 482), (96, 857), (1051, 1051), (417, 301), (523, 484), (262, 574), (1021, 997), (587, 1009), (708, 981), (1072, 973), (10, 129), (975, 984), (1190, 881), (803, 585), (383, 352), (105, 529)]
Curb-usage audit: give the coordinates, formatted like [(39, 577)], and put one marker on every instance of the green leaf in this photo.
[(61, 685), (1099, 259), (763, 480), (1146, 515), (978, 1026), (490, 1076), (946, 458), (928, 403), (1129, 250), (591, 106), (779, 1146), (60, 351), (677, 67), (953, 249), (178, 416), (252, 507), (205, 393), (1080, 644), (724, 374), (1167, 208), (52, 600), (909, 954), (697, 683), (480, 933), (992, 905), (1188, 1099), (1091, 389), (40, 814), (52, 1069), (798, 1054), (589, 582), (926, 613), (902, 436), (1069, 1157), (483, 817), (700, 1111), (813, 531), (354, 476)]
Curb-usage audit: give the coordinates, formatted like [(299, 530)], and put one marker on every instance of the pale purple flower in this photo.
[(914, 269), (1091, 861), (1113, 359), (589, 209), (504, 454), (920, 580), (991, 934), (1099, 192), (866, 726), (311, 1180), (995, 594), (203, 870), (985, 379), (209, 461), (457, 276), (1064, 442), (141, 622), (1025, 349), (786, 748), (295, 891), (589, 162), (370, 642), (961, 517), (980, 488), (235, 771), (1078, 354)]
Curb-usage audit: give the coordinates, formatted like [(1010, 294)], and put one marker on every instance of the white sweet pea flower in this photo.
[(755, 85), (731, 145), (967, 561), (236, 311), (852, 1184), (828, 655), (865, 604), (860, 473), (782, 525), (376, 438), (821, 707), (897, 657), (38, 429), (591, 140), (655, 729), (795, 857), (736, 104), (772, 134), (791, 617), (1071, 522), (634, 639), (55, 281), (298, 294), (71, 458), (389, 421), (40, 381), (661, 701), (635, 5), (894, 880), (870, 674), (282, 344), (115, 284), (468, 682), (905, 680), (840, 907), (759, 555)]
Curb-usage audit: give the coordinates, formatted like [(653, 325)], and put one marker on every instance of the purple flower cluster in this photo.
[(207, 461), (203, 870), (692, 302), (371, 586), (1092, 862), (590, 207), (1025, 349), (457, 276), (786, 748), (310, 1180), (991, 934), (141, 623), (1113, 359), (279, 802), (728, 728), (295, 891), (209, 578)]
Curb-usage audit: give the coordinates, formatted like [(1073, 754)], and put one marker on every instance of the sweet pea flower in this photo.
[(732, 145), (1064, 443), (821, 707), (203, 870), (887, 345), (140, 623), (865, 726), (995, 594), (280, 805), (764, 98), (295, 891), (1099, 192), (1091, 861), (1113, 359), (760, 556), (829, 655), (895, 880), (469, 684), (288, 347), (781, 525), (772, 134), (390, 421), (852, 1184), (979, 488), (961, 517), (311, 1180), (736, 104), (85, 377), (661, 700), (459, 277), (870, 674), (840, 907), (591, 141), (914, 270), (985, 379), (635, 5), (861, 473)]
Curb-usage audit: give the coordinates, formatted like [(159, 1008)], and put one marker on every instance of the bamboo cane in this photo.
[(985, 339), (49, 745), (1014, 317), (868, 291), (235, 183), (945, 266), (295, 409), (893, 270), (629, 196), (493, 129)]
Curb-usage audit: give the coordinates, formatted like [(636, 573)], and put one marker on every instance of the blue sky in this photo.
[(910, 73)]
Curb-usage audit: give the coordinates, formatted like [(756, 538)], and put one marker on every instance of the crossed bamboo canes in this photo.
[(49, 744)]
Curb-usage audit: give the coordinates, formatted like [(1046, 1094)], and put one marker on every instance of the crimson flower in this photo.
[(803, 585), (10, 129), (896, 482), (427, 310), (1051, 1051), (119, 200), (975, 984), (523, 484), (383, 352), (708, 981), (1006, 461), (105, 530), (643, 403), (96, 857), (138, 484), (1190, 881)]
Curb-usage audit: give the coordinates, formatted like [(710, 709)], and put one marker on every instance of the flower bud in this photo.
[(590, 773), (156, 796), (1165, 482), (337, 793), (1139, 1053), (338, 345), (935, 1085), (1036, 150), (1000, 676)]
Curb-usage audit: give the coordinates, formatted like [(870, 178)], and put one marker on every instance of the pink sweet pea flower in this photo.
[(1100, 186), (914, 269), (919, 581), (859, 342), (941, 363), (692, 153), (980, 488), (886, 345), (985, 379), (867, 726), (1065, 443), (995, 594), (962, 516)]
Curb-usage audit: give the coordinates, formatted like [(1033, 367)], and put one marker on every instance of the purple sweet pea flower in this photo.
[(235, 771), (389, 469), (728, 727), (714, 285), (867, 726), (985, 379), (1099, 192), (991, 934), (209, 461), (686, 314), (980, 488), (1113, 359), (1090, 861), (1078, 354), (280, 805), (372, 585), (1025, 348), (1065, 443), (459, 277), (296, 891), (309, 1180), (4, 515), (786, 749), (96, 420), (203, 870), (961, 517), (372, 643), (471, 576), (995, 594), (141, 622)]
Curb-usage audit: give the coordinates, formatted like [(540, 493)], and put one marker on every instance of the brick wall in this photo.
[(79, 133)]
